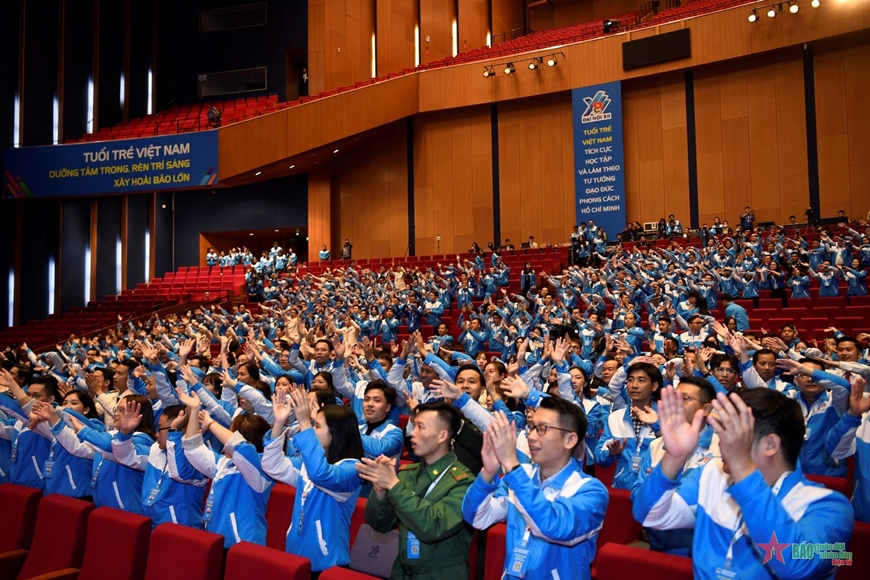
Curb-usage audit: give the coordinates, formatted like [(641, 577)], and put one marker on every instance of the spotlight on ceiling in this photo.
[(509, 69), (753, 17), (815, 3), (552, 61), (771, 13), (292, 166), (258, 173), (611, 25), (794, 8)]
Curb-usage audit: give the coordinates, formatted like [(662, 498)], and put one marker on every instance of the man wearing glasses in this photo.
[(697, 395), (722, 373), (552, 508), (29, 450)]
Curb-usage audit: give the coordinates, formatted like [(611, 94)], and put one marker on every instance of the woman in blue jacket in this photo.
[(324, 473), (113, 484), (66, 473), (236, 504)]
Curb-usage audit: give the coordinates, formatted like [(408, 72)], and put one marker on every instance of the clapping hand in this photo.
[(445, 390), (735, 425), (129, 416)]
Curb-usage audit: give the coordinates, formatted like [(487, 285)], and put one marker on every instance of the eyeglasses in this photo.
[(163, 429), (541, 430), (724, 371), (804, 376), (687, 398)]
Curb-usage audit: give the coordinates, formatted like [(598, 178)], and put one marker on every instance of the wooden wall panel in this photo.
[(566, 12), (506, 15), (396, 20), (453, 180), (339, 42), (319, 213), (751, 136), (371, 188), (436, 25), (842, 90), (536, 169), (656, 149), (473, 24)]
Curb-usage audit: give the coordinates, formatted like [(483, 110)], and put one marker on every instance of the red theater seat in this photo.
[(860, 547), (279, 514), (246, 560), (616, 561), (50, 550), (840, 484), (19, 516), (620, 526), (171, 545), (495, 552), (336, 573)]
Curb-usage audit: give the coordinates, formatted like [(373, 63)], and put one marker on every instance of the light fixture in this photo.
[(258, 173), (509, 69), (251, 234), (794, 8), (336, 151), (535, 63), (815, 3), (276, 230), (292, 166), (771, 13), (611, 25), (552, 61), (753, 17), (488, 72)]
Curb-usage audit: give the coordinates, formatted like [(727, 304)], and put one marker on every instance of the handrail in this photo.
[(521, 29)]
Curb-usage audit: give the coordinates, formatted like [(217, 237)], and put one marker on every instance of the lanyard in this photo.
[(437, 479)]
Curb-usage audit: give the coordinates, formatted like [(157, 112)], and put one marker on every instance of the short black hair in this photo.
[(50, 384), (761, 352), (777, 414), (708, 392), (571, 416), (851, 339), (726, 297), (450, 416), (379, 385), (651, 371)]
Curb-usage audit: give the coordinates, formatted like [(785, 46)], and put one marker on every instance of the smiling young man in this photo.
[(552, 508), (625, 434), (749, 507)]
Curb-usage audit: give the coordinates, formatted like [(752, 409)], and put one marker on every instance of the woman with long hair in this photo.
[(324, 472)]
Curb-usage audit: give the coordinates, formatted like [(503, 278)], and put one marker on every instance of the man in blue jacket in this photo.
[(753, 511), (553, 509)]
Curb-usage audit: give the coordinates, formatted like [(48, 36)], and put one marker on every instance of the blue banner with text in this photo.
[(146, 164), (599, 159)]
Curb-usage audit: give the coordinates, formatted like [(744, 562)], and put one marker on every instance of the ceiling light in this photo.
[(251, 234), (509, 68), (771, 13), (794, 8), (336, 151), (753, 17), (815, 3), (257, 173), (552, 61), (292, 166), (276, 230)]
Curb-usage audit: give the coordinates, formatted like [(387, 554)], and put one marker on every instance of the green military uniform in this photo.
[(433, 516)]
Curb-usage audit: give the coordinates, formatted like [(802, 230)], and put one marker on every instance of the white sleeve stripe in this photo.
[(671, 512)]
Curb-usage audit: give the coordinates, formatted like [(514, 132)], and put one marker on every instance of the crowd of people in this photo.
[(712, 427)]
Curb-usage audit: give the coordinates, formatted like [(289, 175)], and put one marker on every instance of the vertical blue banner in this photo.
[(599, 159)]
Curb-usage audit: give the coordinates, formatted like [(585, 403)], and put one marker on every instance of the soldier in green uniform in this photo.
[(424, 499)]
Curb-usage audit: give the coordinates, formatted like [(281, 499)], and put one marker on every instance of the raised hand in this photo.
[(281, 409), (489, 458), (617, 446), (646, 415), (504, 440), (735, 425), (515, 387), (445, 390), (192, 402), (129, 416), (858, 403), (299, 404), (680, 437)]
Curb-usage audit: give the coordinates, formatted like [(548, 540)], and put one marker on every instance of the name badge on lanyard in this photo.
[(519, 562)]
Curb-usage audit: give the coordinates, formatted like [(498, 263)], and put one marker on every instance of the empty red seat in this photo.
[(19, 517), (279, 513), (496, 538), (618, 561), (840, 484), (52, 551), (200, 551), (246, 560), (620, 527), (860, 544), (128, 535)]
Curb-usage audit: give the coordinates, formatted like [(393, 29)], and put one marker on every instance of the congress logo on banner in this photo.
[(599, 159), (596, 108)]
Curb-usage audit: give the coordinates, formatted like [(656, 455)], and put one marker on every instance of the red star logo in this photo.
[(773, 549)]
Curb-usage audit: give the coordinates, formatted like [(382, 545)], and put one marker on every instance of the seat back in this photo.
[(358, 518), (496, 546), (279, 513), (246, 560), (19, 516), (181, 553), (337, 573), (859, 546), (620, 526), (50, 550), (614, 560), (840, 484), (117, 545)]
